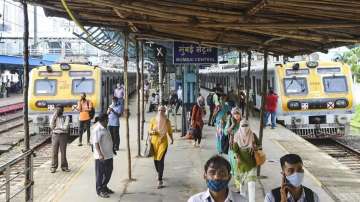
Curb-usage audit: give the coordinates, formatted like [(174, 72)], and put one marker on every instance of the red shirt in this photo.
[(271, 102)]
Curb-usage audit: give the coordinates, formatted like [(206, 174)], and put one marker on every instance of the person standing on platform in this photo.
[(159, 129), (153, 103), (244, 144), (291, 188), (232, 126), (103, 154), (242, 100), (180, 97), (114, 112), (85, 107), (59, 125), (146, 90), (222, 111), (197, 123), (211, 104), (119, 93), (217, 174), (270, 107)]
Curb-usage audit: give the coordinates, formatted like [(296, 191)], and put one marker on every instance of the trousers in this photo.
[(103, 171), (114, 131), (159, 166), (84, 125), (59, 141)]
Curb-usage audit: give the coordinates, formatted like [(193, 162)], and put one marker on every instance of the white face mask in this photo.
[(296, 179)]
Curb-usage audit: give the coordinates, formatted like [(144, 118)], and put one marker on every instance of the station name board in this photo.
[(188, 53)]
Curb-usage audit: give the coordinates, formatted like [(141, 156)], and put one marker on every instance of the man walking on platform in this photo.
[(270, 108), (211, 104), (180, 96), (114, 112), (59, 134), (291, 188), (103, 154), (242, 98), (85, 107), (119, 93)]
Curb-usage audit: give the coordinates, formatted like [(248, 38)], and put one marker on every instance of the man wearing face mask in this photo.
[(217, 175), (291, 189)]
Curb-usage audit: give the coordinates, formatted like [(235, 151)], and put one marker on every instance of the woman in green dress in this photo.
[(232, 126), (244, 144)]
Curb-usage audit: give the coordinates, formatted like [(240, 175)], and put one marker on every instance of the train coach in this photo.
[(62, 84), (315, 97)]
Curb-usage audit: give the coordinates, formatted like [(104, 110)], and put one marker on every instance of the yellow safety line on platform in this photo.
[(306, 170), (59, 195)]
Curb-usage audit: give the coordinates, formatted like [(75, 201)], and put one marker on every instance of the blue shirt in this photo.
[(113, 118)]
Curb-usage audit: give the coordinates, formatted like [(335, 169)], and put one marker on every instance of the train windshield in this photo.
[(45, 87), (295, 85), (82, 86), (335, 84)]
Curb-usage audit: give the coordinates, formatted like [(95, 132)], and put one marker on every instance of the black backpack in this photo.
[(209, 99), (309, 195), (92, 111)]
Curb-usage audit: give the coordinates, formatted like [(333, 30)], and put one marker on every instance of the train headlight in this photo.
[(341, 119), (294, 105), (341, 103), (312, 64), (41, 104)]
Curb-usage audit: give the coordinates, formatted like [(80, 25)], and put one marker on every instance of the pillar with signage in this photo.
[(160, 54), (189, 56)]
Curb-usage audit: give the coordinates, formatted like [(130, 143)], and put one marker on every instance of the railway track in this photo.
[(345, 154)]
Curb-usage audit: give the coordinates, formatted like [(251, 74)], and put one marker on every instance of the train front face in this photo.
[(60, 85), (316, 98)]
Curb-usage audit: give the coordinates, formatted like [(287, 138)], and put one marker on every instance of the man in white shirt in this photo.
[(291, 189), (103, 154), (180, 97), (217, 176)]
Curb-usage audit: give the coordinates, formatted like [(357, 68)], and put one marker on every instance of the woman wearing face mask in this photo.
[(232, 126), (197, 122), (244, 144), (220, 119), (159, 129), (217, 176)]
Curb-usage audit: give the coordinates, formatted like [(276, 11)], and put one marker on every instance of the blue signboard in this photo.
[(187, 53)]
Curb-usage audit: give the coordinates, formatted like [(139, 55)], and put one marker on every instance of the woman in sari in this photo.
[(220, 120), (232, 126), (160, 129), (244, 144)]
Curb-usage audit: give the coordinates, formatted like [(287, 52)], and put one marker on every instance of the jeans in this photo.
[(84, 125), (103, 171), (273, 118), (114, 131)]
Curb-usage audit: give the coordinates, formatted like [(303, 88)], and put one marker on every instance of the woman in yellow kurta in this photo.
[(159, 129)]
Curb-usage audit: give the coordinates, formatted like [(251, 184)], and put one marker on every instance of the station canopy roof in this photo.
[(284, 27)]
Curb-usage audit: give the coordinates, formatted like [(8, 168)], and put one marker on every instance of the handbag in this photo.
[(260, 157), (148, 150)]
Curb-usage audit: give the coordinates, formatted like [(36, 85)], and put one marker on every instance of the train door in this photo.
[(107, 89)]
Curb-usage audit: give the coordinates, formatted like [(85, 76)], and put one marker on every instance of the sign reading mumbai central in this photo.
[(186, 53)]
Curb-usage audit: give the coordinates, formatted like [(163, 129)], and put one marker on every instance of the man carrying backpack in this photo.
[(85, 107), (211, 104), (291, 188)]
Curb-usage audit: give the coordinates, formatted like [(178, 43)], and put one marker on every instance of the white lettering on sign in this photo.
[(159, 52)]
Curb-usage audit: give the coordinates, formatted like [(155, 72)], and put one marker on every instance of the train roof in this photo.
[(78, 67)]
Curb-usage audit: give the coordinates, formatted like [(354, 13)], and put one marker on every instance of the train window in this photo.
[(328, 70), (335, 84), (82, 86), (295, 85), (45, 87)]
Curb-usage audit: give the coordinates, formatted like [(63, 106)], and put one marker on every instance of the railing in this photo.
[(6, 171)]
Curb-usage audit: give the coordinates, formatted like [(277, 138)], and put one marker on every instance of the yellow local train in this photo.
[(315, 98), (62, 84)]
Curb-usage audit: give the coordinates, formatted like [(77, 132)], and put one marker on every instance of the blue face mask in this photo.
[(217, 185)]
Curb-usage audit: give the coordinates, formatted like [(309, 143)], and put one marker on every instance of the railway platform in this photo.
[(184, 170), (13, 99)]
